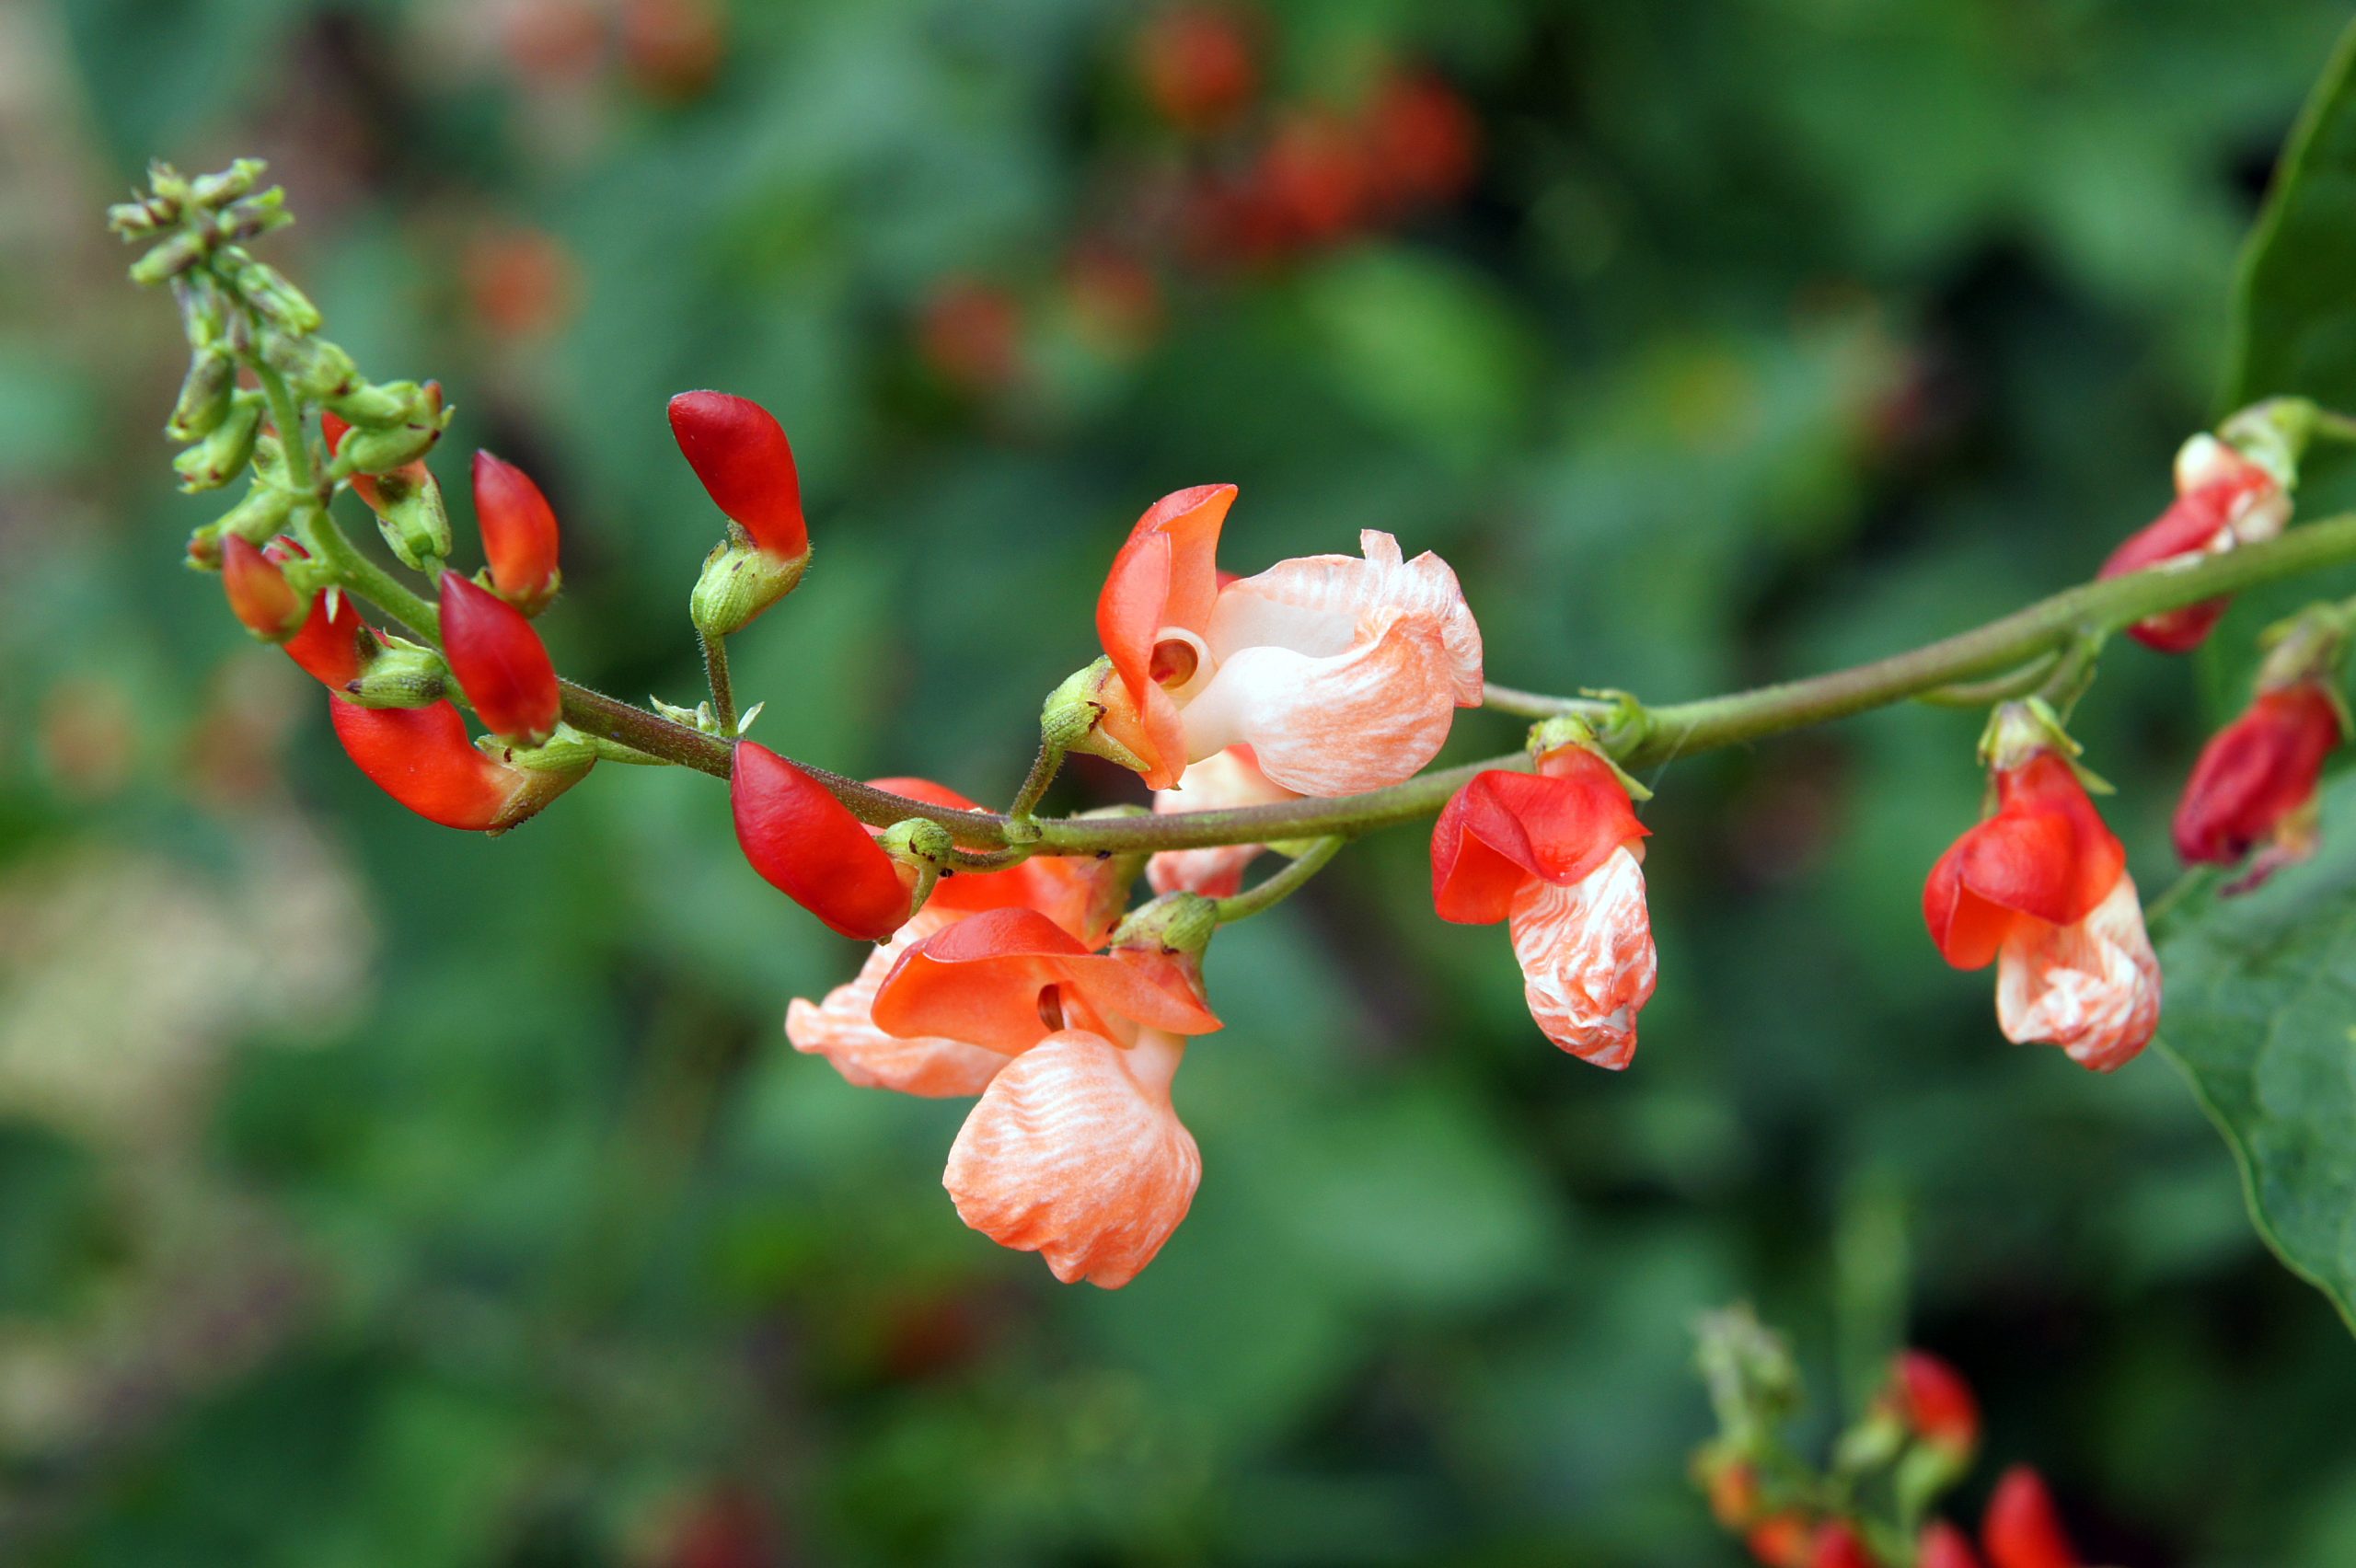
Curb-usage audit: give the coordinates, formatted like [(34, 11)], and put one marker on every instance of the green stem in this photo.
[(373, 582), (2027, 635), (1043, 769), (715, 669), (1996, 688), (286, 417), (1538, 705), (1281, 886)]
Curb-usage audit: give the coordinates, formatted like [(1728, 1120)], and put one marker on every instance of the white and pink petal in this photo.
[(2092, 989), (842, 1029), (1587, 957)]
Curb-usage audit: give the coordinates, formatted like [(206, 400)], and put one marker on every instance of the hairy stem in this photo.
[(1043, 769), (715, 669)]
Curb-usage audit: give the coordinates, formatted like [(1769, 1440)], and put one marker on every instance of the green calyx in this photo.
[(410, 515), (400, 673), (1551, 735), (1181, 923), (739, 582), (1073, 716)]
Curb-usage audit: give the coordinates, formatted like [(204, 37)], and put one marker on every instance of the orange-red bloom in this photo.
[(2255, 783), (1837, 1546), (2041, 890), (500, 662), (1340, 673), (2223, 500), (332, 645), (421, 756), (519, 533), (1559, 853), (739, 450), (809, 847), (2023, 1528)]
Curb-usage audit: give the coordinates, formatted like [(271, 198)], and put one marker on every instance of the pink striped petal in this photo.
[(1075, 1153), (1322, 604), (2092, 989), (1587, 958), (842, 1029)]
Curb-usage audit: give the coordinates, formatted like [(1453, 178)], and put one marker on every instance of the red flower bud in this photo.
[(421, 756), (260, 595), (519, 534), (1836, 1546), (1943, 1546), (739, 450), (809, 847), (2023, 1529), (2256, 773), (499, 661), (2223, 500), (1934, 1401)]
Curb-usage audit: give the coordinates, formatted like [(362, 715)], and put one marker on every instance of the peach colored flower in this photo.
[(1342, 673), (1231, 778), (1558, 853), (842, 1029), (2092, 989), (1075, 1152)]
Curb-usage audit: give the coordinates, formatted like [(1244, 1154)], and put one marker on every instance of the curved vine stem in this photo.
[(1280, 886), (2037, 637)]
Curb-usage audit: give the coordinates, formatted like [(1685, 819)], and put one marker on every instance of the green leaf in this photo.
[(2261, 1016), (2294, 310)]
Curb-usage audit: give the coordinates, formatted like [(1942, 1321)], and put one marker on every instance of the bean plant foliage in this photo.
[(2261, 1011)]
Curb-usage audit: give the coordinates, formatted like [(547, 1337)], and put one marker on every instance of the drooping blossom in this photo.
[(2040, 889), (1559, 854), (1074, 1150), (2223, 500), (2023, 1528), (2254, 786), (1229, 778), (1340, 673)]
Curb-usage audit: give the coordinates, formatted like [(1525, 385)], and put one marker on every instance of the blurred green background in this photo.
[(372, 1194)]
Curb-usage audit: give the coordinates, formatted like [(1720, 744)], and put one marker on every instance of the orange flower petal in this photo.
[(842, 1029), (1075, 1152)]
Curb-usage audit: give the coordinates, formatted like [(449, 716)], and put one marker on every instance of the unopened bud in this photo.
[(212, 190), (376, 405), (1173, 923), (225, 450), (258, 593), (265, 289), (205, 394), (408, 503), (203, 316), (169, 259), (499, 662), (740, 580), (134, 220), (519, 533), (397, 673), (312, 366), (368, 450), (262, 513), (256, 216)]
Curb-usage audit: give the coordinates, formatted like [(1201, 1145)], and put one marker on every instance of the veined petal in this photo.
[(842, 1029), (1587, 958), (1075, 1152), (1323, 604), (1225, 780), (2092, 989), (1333, 725)]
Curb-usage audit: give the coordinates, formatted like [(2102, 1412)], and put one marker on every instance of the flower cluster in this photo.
[(1873, 1505), (1276, 713)]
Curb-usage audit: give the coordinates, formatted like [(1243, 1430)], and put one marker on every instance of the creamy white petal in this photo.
[(842, 1029), (2092, 989), (1074, 1152), (1321, 604), (1587, 958)]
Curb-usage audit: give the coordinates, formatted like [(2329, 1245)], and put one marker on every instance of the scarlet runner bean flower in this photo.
[(2040, 889), (260, 595), (342, 652), (519, 533), (421, 756), (1559, 854), (500, 662), (1074, 1149), (740, 453), (2254, 786), (1231, 778), (808, 846), (2023, 1528), (2224, 499), (1342, 675)]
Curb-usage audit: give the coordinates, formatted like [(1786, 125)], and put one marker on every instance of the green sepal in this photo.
[(739, 582)]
